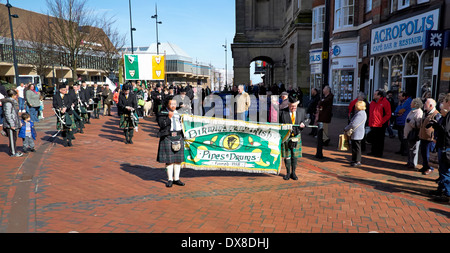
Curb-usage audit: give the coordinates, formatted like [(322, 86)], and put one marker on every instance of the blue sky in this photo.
[(199, 27)]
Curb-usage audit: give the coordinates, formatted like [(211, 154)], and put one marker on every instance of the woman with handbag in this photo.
[(411, 132), (171, 142), (355, 130)]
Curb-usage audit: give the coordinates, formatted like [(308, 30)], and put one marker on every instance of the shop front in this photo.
[(398, 62), (344, 70)]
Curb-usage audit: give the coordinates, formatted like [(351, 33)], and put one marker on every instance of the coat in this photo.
[(413, 120), (10, 113), (242, 102), (124, 102), (427, 132), (357, 123), (67, 101), (23, 129), (300, 117), (404, 107), (33, 99), (380, 112), (326, 109)]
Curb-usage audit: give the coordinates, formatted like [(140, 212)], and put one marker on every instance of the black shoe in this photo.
[(169, 183), (25, 150), (293, 176), (287, 176), (33, 150), (355, 164), (178, 182)]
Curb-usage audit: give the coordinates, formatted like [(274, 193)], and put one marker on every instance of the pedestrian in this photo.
[(107, 96), (183, 102), (391, 100), (2, 96), (27, 133), (352, 111), (21, 91), (11, 123), (65, 121), (171, 141), (127, 107), (312, 109), (442, 136), (357, 130), (402, 110), (33, 101), (380, 113), (86, 98), (158, 98), (284, 100), (291, 149), (411, 132), (326, 112), (426, 134), (97, 98), (242, 104)]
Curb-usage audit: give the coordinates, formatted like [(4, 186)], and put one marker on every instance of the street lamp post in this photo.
[(157, 23), (132, 29), (16, 71), (226, 67)]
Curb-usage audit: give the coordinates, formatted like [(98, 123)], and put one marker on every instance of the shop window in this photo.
[(396, 74), (412, 64), (427, 72), (403, 4), (384, 74), (343, 86)]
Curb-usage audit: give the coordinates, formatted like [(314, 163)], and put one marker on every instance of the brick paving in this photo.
[(101, 185)]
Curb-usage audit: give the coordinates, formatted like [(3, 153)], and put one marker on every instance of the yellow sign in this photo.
[(159, 67), (445, 70), (325, 55)]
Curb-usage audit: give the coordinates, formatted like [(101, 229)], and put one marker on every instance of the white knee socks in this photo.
[(169, 170), (177, 169)]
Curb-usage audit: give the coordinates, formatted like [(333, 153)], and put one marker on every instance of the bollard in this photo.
[(319, 153)]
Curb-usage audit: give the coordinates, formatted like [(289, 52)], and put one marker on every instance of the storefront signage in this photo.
[(315, 57), (403, 34), (434, 40)]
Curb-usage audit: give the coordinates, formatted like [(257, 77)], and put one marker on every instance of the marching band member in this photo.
[(97, 97), (292, 148), (85, 97), (171, 142), (127, 110), (63, 105), (79, 108)]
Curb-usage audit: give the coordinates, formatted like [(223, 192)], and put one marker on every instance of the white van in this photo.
[(35, 79)]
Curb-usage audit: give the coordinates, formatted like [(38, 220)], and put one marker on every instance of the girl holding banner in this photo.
[(171, 142)]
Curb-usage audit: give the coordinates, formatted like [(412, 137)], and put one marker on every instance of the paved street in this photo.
[(101, 185)]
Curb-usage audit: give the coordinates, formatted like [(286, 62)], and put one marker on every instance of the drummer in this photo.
[(85, 93), (97, 98)]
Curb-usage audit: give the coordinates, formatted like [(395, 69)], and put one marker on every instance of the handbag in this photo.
[(343, 142), (350, 131), (141, 102), (413, 135)]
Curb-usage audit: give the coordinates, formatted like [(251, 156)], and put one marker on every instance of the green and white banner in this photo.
[(223, 144)]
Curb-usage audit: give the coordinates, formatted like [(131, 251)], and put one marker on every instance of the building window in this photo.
[(343, 86), (426, 72), (402, 4), (422, 1), (318, 24), (343, 13), (396, 74), (368, 5), (384, 74)]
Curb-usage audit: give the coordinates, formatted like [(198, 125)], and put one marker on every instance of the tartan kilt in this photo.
[(127, 122), (60, 126), (165, 152), (286, 152)]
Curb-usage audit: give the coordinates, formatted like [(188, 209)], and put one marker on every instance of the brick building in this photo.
[(377, 44)]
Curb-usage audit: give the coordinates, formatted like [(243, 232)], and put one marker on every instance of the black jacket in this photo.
[(300, 117), (59, 103), (124, 102), (164, 123)]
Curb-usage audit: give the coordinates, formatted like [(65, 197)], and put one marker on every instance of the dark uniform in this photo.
[(128, 119), (86, 94), (158, 99), (97, 97), (291, 149), (77, 110), (65, 122)]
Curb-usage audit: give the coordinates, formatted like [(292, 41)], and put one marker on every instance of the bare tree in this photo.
[(37, 41), (112, 41), (73, 31)]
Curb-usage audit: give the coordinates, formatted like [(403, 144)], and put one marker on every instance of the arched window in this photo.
[(384, 74), (412, 64), (426, 72), (397, 73)]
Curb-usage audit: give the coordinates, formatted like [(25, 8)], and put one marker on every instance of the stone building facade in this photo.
[(277, 32)]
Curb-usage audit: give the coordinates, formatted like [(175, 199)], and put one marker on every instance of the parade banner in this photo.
[(144, 67), (234, 145)]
